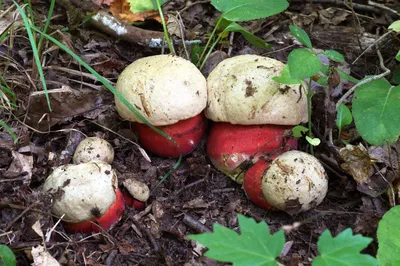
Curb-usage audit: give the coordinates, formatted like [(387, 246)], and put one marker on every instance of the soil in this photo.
[(196, 195)]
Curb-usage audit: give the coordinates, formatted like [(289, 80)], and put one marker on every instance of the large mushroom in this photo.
[(171, 93), (253, 113), (86, 196)]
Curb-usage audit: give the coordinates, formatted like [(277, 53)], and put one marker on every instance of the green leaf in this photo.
[(376, 108), (303, 64), (254, 246), (143, 5), (343, 250), (396, 75), (346, 76), (298, 131), (254, 40), (7, 257), (239, 10), (334, 55), (389, 237), (395, 26), (343, 117), (313, 141), (300, 35), (398, 56), (285, 77)]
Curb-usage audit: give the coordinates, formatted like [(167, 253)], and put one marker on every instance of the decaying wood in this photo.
[(102, 20)]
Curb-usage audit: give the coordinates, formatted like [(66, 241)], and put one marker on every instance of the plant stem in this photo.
[(166, 36), (208, 43), (209, 52), (307, 87)]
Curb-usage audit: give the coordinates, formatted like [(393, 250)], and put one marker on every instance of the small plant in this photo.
[(7, 257), (233, 11), (7, 101), (256, 246)]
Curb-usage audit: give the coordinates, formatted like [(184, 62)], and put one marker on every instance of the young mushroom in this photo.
[(294, 182), (93, 149), (253, 113), (86, 196), (138, 193), (171, 93)]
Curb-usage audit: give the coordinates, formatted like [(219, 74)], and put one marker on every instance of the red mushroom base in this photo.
[(233, 148), (187, 133), (252, 183), (106, 221), (130, 201)]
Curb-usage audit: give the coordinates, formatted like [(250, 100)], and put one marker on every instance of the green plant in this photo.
[(256, 246), (7, 257), (343, 118), (233, 11), (389, 238), (7, 101), (303, 64)]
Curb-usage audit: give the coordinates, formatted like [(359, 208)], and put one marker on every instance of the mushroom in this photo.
[(253, 113), (294, 182), (93, 149), (86, 196), (171, 93), (138, 193)]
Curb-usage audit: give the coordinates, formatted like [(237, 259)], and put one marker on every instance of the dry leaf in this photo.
[(38, 229), (42, 257), (121, 9), (21, 164)]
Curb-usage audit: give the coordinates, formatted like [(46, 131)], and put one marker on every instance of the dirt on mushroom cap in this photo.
[(77, 189), (241, 91), (163, 88), (295, 182)]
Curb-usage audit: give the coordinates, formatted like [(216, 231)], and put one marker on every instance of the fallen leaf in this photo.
[(121, 9), (42, 258), (21, 164)]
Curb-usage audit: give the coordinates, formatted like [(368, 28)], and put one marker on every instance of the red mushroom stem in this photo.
[(106, 221), (187, 133)]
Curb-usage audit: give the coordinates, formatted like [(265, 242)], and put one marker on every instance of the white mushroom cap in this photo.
[(241, 91), (80, 188), (295, 182), (137, 189), (163, 88), (93, 149)]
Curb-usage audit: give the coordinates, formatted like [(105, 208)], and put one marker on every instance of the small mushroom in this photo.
[(139, 193), (171, 93), (85, 195), (294, 182), (93, 149), (253, 113)]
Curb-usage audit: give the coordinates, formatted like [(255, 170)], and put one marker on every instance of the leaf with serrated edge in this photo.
[(300, 35), (254, 246), (376, 108), (303, 64), (343, 250), (389, 237), (239, 10)]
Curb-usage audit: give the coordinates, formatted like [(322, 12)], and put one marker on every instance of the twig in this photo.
[(371, 3), (223, 190), (352, 89), (189, 5), (195, 224), (20, 215), (372, 45), (190, 185)]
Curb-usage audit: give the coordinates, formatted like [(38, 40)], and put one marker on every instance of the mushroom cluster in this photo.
[(86, 194), (171, 93), (252, 113)]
